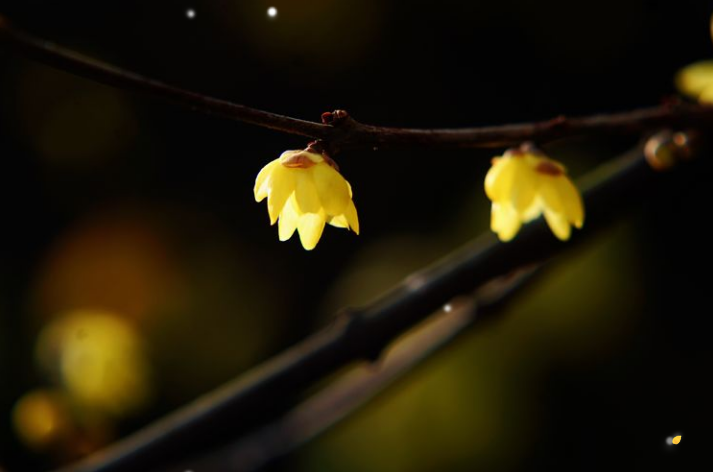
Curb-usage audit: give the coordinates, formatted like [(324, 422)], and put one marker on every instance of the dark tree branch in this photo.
[(83, 66), (356, 388), (268, 390), (677, 115), (337, 400), (342, 132)]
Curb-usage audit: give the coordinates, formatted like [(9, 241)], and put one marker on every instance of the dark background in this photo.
[(119, 202)]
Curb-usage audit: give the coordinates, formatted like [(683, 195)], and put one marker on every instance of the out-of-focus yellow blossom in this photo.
[(523, 184), (41, 418), (99, 360), (304, 192), (696, 81)]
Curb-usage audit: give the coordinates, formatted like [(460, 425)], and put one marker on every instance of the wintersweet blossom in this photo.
[(696, 80), (304, 192), (523, 184)]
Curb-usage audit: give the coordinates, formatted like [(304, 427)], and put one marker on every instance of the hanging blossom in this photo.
[(523, 184), (696, 80), (305, 191)]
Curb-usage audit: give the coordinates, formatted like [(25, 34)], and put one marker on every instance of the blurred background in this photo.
[(137, 272)]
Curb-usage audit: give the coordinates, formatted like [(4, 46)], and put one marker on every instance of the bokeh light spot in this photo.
[(272, 12), (99, 359), (117, 262), (73, 124), (40, 418)]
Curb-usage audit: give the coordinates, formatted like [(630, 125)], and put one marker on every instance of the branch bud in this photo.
[(666, 149)]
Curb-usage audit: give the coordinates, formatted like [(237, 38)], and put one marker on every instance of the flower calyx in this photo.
[(312, 155)]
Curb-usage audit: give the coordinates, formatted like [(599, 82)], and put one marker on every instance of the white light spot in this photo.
[(669, 440), (272, 12), (447, 308), (190, 13)]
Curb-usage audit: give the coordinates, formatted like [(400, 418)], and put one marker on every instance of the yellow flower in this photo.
[(42, 418), (99, 359), (523, 184), (696, 81), (304, 192)]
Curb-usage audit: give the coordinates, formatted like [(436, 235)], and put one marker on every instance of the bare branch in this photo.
[(269, 390), (677, 115), (83, 66), (337, 400), (343, 132), (356, 388)]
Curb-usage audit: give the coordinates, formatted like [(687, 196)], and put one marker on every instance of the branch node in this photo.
[(560, 123), (335, 118)]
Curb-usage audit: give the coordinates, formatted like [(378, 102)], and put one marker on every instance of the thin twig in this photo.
[(269, 390), (356, 388), (343, 132), (83, 66)]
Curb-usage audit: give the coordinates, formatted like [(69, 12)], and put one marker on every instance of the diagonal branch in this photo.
[(343, 132), (318, 413), (83, 66), (269, 390), (342, 398)]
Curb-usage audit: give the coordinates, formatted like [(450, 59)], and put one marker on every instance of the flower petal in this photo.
[(287, 224), (706, 95), (571, 201), (310, 227), (499, 178), (533, 211), (339, 221), (281, 186), (558, 224), (306, 194), (548, 190), (511, 179), (504, 221), (262, 181), (332, 189), (351, 216), (523, 191)]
